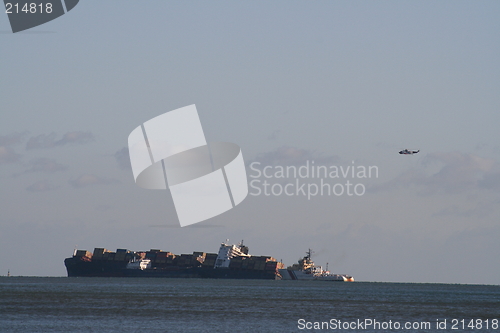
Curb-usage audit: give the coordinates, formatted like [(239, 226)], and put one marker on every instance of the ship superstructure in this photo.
[(305, 269), (228, 252)]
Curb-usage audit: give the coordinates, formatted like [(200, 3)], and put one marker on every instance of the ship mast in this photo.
[(309, 254)]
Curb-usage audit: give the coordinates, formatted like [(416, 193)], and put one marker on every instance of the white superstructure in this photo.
[(305, 269), (226, 252), (139, 264)]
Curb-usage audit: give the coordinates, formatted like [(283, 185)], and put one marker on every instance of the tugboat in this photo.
[(305, 269)]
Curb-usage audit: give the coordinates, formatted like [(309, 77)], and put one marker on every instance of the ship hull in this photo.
[(288, 274), (76, 267)]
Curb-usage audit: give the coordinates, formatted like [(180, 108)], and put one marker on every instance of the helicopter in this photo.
[(408, 152)]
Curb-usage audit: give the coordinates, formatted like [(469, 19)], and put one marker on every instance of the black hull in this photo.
[(102, 268)]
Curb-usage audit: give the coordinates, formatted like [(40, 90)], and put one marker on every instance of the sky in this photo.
[(340, 83)]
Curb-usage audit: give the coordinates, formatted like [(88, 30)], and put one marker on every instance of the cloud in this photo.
[(122, 157), (41, 186), (46, 165), (490, 181), (49, 141), (293, 156), (12, 139), (273, 135), (481, 209), (457, 172), (88, 180), (75, 137), (8, 155), (41, 141)]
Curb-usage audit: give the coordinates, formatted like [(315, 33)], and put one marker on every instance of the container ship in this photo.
[(231, 262)]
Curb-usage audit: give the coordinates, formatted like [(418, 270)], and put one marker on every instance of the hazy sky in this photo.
[(288, 81)]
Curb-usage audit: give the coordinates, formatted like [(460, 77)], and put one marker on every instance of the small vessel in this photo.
[(305, 269)]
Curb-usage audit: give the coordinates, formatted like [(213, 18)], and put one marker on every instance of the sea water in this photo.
[(61, 304)]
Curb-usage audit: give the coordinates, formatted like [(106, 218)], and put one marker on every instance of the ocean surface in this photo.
[(61, 304)]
